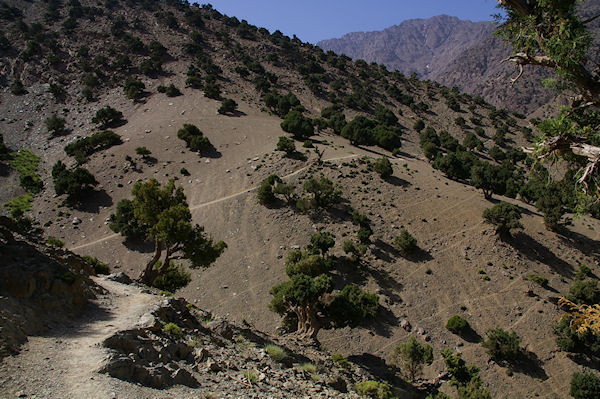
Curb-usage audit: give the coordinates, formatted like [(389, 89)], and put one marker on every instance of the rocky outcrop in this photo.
[(38, 285), (171, 346)]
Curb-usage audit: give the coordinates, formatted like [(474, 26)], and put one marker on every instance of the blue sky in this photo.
[(313, 20)]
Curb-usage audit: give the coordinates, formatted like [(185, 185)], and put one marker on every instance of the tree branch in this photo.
[(520, 6)]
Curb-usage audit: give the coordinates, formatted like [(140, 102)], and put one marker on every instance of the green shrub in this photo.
[(383, 167), (286, 144), (143, 152), (55, 125), (76, 183), (298, 125), (170, 90), (419, 125), (212, 90), (194, 138), (412, 355), (134, 89), (583, 272), (584, 292), (374, 389), (571, 341), (55, 242), (502, 345), (405, 243), (83, 148), (173, 330), (504, 217), (265, 193), (107, 117), (353, 305), (174, 278), (228, 106), (457, 325), (340, 360), (99, 267), (537, 279), (19, 205), (585, 386), (124, 221), (276, 353), (26, 163)]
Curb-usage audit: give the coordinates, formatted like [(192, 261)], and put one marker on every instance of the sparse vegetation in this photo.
[(405, 243), (26, 163), (107, 117), (228, 106), (194, 139), (505, 217), (76, 183), (55, 125), (457, 325), (585, 386), (173, 330), (502, 345), (83, 148), (99, 266), (411, 356)]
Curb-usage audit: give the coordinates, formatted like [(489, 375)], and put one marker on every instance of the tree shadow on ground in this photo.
[(585, 360), (583, 243), (211, 153), (529, 364), (376, 366), (535, 251), (398, 182), (139, 245), (470, 335), (383, 323), (149, 160), (4, 169), (236, 114), (94, 201)]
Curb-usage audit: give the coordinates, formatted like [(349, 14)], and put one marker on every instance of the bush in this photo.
[(340, 360), (353, 305), (457, 325), (276, 353), (568, 340), (55, 125), (143, 152), (26, 163), (374, 389), (228, 106), (504, 217), (19, 205), (265, 190), (298, 125), (76, 183), (585, 386), (584, 292), (323, 190), (55, 242), (134, 89), (419, 125), (99, 267), (537, 279), (405, 243), (411, 356), (173, 330), (83, 148), (304, 262), (212, 90), (194, 138), (124, 222), (383, 167), (502, 345), (174, 278), (107, 117), (286, 144)]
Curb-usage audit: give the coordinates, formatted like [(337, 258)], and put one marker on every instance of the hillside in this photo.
[(82, 57), (458, 53)]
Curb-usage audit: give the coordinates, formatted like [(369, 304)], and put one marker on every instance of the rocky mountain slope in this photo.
[(76, 69), (455, 52)]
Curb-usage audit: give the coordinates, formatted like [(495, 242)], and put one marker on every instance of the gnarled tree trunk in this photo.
[(150, 273)]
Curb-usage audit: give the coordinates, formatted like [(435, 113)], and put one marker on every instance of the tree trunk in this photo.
[(308, 324), (150, 273)]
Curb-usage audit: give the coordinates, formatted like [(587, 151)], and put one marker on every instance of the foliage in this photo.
[(305, 262), (281, 104), (228, 106), (411, 356), (383, 167), (165, 215), (460, 373), (457, 325), (537, 279), (194, 138), (584, 292), (107, 116), (286, 144), (322, 242), (173, 330), (55, 242), (76, 183), (83, 148), (134, 89), (143, 152), (277, 353), (357, 251), (576, 333), (585, 386), (298, 125), (55, 125), (26, 163), (123, 221), (212, 90), (173, 278), (504, 216), (502, 345), (359, 131), (374, 389), (265, 193), (99, 266), (405, 243), (19, 205), (170, 90), (353, 305), (324, 192), (550, 203)]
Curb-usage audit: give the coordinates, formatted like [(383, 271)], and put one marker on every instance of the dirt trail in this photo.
[(228, 197), (65, 364)]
